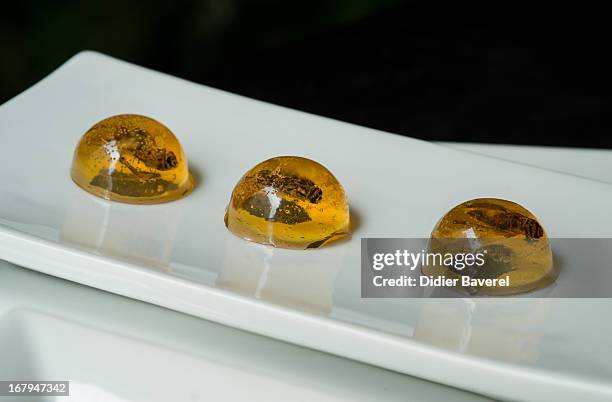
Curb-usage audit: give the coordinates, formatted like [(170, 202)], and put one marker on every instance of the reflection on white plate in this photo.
[(276, 276), (121, 230)]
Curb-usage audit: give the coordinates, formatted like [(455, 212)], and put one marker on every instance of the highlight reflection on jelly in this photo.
[(288, 202), (133, 159)]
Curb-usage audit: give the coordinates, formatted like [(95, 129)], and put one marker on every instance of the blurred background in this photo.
[(536, 75)]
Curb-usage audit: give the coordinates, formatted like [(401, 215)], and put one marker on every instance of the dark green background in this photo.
[(531, 75)]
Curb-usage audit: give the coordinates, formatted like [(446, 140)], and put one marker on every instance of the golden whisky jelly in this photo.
[(288, 202), (133, 159), (506, 239)]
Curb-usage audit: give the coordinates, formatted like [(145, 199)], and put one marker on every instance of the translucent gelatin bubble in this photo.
[(131, 158), (505, 240), (288, 202)]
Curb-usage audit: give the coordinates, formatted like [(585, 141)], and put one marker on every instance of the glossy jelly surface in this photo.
[(288, 202), (514, 244), (133, 159)]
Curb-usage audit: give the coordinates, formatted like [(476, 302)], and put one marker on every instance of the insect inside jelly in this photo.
[(288, 202), (510, 241), (133, 159)]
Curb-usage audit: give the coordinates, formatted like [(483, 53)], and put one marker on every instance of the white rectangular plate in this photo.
[(179, 255), (99, 347)]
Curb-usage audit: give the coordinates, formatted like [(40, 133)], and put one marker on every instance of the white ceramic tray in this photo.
[(179, 255), (163, 356)]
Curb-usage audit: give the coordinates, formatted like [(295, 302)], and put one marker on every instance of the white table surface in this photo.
[(115, 349)]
